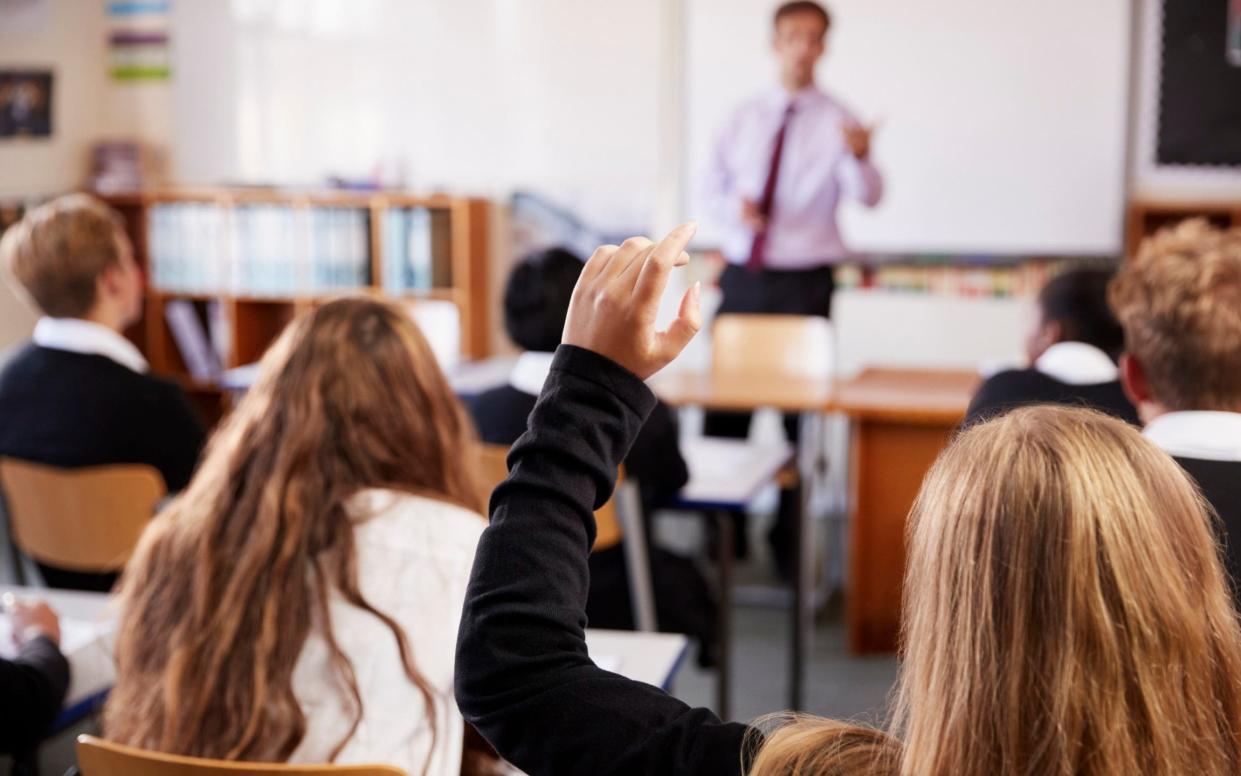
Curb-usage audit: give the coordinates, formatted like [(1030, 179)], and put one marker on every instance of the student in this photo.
[(1038, 640), (299, 602), (1179, 301), (1072, 350), (33, 685), (79, 394), (536, 301)]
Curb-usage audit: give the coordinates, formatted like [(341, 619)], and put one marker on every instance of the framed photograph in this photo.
[(25, 103)]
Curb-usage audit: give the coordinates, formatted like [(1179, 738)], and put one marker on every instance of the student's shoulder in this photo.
[(406, 521)]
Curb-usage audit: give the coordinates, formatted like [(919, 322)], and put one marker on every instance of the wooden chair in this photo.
[(621, 515), (86, 520), (773, 346), (97, 757)]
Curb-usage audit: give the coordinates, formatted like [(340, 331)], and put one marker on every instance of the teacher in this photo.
[(780, 167)]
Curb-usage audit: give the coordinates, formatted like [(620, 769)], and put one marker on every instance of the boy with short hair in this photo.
[(79, 394)]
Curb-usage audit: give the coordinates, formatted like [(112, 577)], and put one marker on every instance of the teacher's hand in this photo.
[(857, 139), (617, 297)]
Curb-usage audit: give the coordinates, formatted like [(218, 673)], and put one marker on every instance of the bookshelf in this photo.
[(246, 262), (1145, 217)]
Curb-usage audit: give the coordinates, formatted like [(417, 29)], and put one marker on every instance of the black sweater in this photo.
[(523, 677), (32, 688), (654, 460), (1220, 482), (1018, 387), (73, 409)]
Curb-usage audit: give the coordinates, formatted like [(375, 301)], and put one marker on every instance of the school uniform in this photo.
[(1073, 373), (523, 677), (32, 688), (1208, 446), (79, 394), (413, 560), (684, 602)]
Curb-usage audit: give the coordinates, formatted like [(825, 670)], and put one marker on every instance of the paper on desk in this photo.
[(608, 662), (87, 645)]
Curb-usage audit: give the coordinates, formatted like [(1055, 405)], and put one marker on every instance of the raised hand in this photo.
[(617, 298)]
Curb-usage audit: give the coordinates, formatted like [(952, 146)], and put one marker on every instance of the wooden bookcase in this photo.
[(1145, 217), (253, 321)]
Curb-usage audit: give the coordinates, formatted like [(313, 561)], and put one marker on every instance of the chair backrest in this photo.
[(493, 463), (772, 346), (97, 757), (87, 519)]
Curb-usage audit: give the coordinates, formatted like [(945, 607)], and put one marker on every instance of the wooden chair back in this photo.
[(493, 463), (86, 520), (772, 346), (97, 757)]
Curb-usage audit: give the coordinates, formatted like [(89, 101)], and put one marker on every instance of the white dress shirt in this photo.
[(1077, 363), (531, 371), (80, 336), (816, 172), (413, 557), (1208, 436)]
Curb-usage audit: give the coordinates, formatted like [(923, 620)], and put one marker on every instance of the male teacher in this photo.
[(780, 167)]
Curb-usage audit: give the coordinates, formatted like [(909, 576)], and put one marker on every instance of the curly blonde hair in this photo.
[(1179, 301)]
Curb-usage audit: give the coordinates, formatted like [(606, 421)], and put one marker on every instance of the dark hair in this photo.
[(536, 299), (803, 6), (1077, 300)]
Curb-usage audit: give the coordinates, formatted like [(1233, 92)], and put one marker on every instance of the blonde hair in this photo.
[(1065, 614), (1179, 301), (58, 251)]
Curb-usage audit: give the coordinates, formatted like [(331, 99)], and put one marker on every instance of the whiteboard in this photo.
[(1003, 122)]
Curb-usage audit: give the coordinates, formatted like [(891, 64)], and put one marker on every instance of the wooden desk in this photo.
[(900, 420), (742, 393)]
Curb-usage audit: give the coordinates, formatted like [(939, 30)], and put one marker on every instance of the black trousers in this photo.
[(785, 292)]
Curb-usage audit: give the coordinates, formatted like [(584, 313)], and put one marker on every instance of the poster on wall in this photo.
[(138, 47), (25, 103)]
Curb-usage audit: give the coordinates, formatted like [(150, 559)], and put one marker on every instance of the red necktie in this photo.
[(759, 246)]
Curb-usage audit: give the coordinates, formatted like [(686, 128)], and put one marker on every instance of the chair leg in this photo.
[(637, 557)]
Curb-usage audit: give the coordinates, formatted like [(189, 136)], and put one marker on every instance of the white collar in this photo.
[(782, 98), (530, 372), (1077, 363), (78, 336), (1211, 436)]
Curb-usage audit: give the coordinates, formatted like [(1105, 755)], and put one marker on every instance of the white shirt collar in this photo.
[(781, 98), (530, 372), (1211, 436), (1077, 363), (78, 336)]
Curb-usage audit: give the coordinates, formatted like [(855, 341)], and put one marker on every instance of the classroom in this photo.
[(738, 387)]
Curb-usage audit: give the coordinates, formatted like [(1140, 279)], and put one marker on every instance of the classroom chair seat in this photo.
[(87, 520), (97, 757)]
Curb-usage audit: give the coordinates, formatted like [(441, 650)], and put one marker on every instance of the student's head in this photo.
[(72, 258), (799, 38), (1179, 301), (1065, 611), (536, 298), (222, 592), (1073, 307)]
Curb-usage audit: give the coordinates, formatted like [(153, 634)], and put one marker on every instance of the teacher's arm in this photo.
[(858, 176), (524, 678)]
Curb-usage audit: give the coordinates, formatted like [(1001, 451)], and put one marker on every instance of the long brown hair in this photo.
[(220, 597), (1065, 613)]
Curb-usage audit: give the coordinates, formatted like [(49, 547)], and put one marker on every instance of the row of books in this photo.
[(415, 250), (262, 249), (978, 280)]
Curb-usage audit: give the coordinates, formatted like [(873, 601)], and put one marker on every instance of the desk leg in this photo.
[(803, 596), (724, 548)]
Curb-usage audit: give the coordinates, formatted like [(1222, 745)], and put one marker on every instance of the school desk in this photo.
[(88, 627)]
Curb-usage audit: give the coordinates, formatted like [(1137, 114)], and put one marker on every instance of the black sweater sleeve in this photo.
[(177, 439), (32, 688), (523, 677)]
